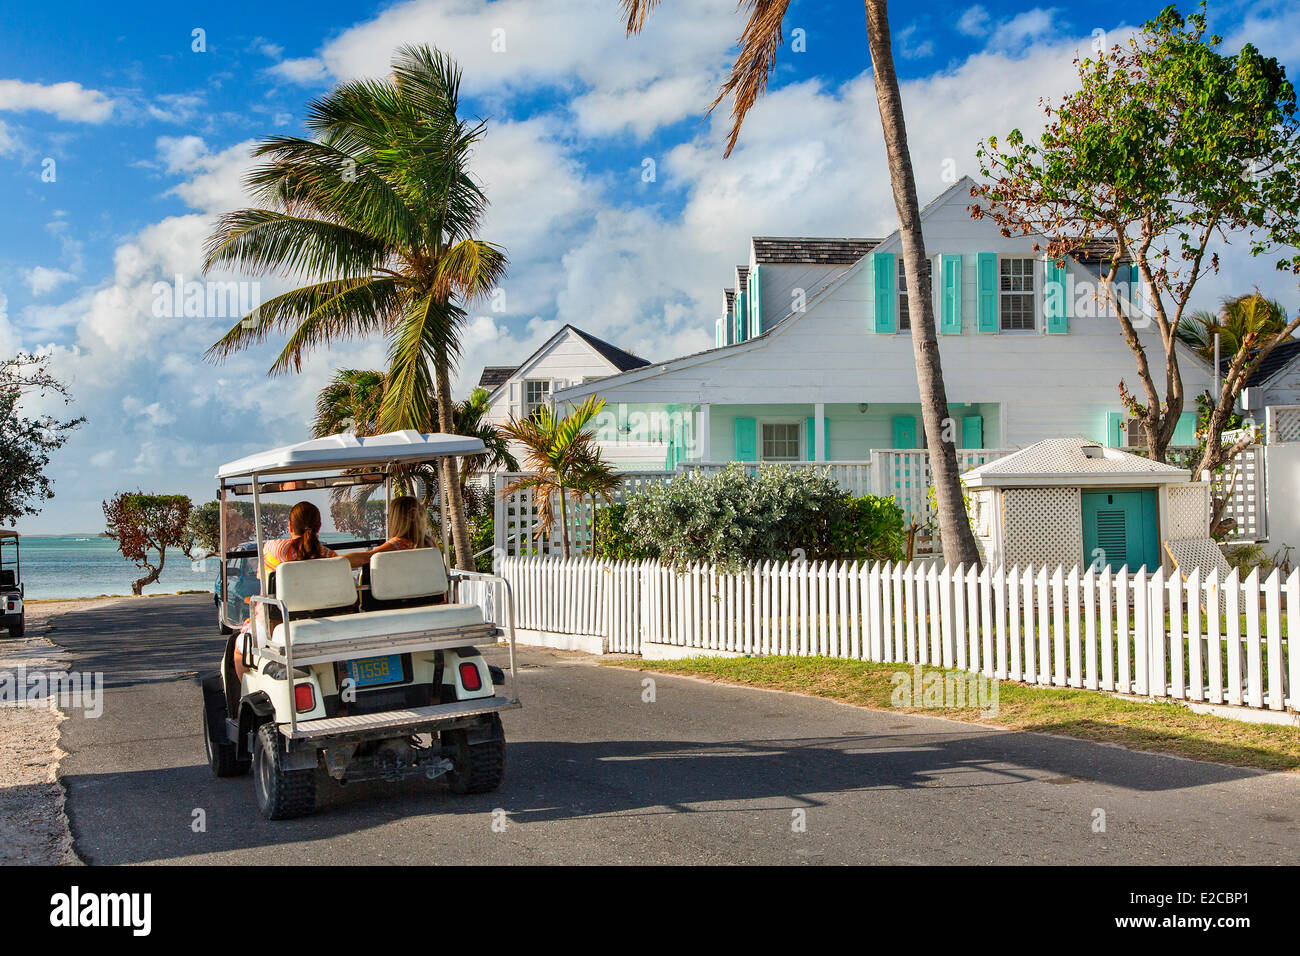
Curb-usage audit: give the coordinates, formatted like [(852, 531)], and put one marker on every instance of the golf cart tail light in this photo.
[(304, 698), (469, 676)]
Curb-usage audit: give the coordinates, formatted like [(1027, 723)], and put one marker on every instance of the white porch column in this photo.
[(819, 431), (705, 441)]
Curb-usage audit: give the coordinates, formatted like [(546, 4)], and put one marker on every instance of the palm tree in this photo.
[(377, 213), (559, 453), (759, 42), (471, 420), (349, 402), (1251, 317)]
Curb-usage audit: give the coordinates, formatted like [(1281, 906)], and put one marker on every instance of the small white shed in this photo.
[(1072, 501)]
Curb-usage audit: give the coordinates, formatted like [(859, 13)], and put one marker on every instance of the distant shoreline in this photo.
[(104, 597)]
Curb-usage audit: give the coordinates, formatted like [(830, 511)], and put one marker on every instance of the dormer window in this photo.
[(904, 317)]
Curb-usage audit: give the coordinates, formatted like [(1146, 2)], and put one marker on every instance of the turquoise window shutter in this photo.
[(972, 431), (742, 303), (883, 267), (756, 322), (812, 438), (1115, 429), (1054, 305), (746, 430), (986, 275), (1134, 282), (1185, 430), (950, 295), (904, 431)]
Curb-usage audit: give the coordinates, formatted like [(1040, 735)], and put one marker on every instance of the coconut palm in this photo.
[(377, 214), (471, 420), (559, 453), (349, 402), (759, 41), (1241, 318)]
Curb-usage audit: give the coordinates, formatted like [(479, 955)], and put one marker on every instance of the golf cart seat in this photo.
[(414, 578), (318, 587)]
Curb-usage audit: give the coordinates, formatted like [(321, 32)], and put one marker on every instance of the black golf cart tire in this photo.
[(281, 794), (477, 768), (17, 624), (223, 758)]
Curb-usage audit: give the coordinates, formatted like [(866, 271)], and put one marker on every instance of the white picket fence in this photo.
[(1199, 639)]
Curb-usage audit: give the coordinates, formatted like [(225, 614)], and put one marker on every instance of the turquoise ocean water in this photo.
[(86, 566)]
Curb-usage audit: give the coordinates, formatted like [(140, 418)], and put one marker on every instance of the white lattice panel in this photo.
[(1246, 502), (1283, 423), (1042, 527), (1189, 511)]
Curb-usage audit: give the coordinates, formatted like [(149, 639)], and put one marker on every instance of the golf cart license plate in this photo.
[(370, 671)]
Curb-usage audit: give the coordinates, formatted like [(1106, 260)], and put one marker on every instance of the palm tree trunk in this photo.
[(954, 527), (460, 538), (564, 525)]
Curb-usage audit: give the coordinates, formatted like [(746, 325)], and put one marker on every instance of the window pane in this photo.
[(780, 442), (1016, 296)]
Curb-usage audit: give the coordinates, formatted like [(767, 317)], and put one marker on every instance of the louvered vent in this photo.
[(1111, 535)]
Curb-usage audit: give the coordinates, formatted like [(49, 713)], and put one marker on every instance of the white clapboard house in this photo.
[(813, 358), (570, 357)]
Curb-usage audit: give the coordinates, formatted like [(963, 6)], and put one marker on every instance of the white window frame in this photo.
[(800, 441), (530, 406), (900, 297), (1038, 272)]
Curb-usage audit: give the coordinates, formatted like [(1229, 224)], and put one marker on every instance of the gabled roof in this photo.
[(1072, 461), (810, 251), (730, 296), (494, 375), (1274, 362), (622, 360)]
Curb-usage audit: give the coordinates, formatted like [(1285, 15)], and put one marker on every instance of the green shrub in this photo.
[(612, 538), (482, 536), (731, 518)]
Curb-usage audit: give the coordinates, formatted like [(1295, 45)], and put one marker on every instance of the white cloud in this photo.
[(563, 43), (974, 22), (304, 71), (911, 48), (42, 280), (8, 144), (68, 101)]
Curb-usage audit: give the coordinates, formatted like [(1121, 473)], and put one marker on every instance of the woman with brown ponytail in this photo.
[(304, 526), (304, 544)]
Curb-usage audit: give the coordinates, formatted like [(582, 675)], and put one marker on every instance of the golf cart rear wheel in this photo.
[(223, 758), (476, 768), (281, 794), (17, 624)]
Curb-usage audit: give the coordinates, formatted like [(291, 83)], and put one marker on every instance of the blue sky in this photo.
[(147, 140)]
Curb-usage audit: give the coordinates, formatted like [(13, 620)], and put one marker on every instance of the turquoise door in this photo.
[(1119, 529)]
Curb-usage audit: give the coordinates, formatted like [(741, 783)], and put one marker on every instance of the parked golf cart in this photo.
[(366, 675), (11, 585)]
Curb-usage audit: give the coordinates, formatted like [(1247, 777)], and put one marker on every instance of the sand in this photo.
[(33, 824)]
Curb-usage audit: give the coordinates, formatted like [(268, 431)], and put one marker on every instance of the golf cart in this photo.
[(369, 674), (11, 585)]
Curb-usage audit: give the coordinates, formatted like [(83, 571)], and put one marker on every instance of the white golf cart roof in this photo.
[(344, 450)]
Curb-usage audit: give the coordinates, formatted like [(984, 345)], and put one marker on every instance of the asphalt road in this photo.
[(704, 774)]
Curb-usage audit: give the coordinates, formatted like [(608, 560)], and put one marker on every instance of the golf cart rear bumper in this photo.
[(392, 723)]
